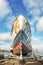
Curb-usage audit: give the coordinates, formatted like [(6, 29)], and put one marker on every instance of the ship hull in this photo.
[(20, 47), (21, 36)]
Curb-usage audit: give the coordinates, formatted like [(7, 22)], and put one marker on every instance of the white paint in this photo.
[(21, 22)]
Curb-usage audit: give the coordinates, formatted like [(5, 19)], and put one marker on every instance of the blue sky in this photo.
[(32, 10)]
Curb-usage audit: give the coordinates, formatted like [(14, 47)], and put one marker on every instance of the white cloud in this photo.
[(4, 8), (5, 37), (34, 7), (5, 41), (39, 25), (5, 46), (37, 45), (36, 42)]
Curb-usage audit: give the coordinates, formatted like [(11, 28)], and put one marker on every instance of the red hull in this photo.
[(18, 47)]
